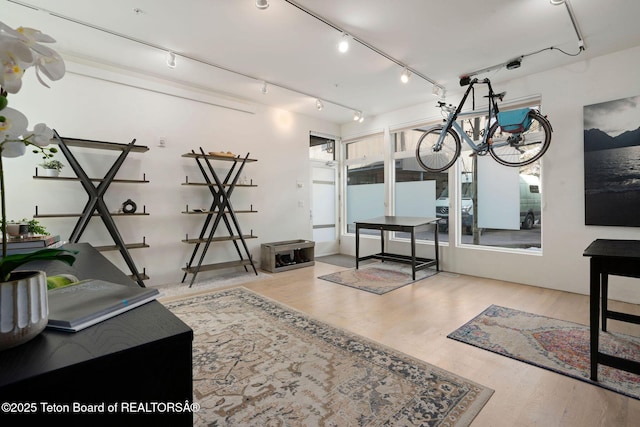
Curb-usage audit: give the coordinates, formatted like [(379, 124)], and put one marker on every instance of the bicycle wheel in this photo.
[(437, 159), (519, 149)]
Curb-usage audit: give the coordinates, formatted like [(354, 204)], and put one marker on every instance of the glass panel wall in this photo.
[(364, 165), (416, 191), (500, 206)]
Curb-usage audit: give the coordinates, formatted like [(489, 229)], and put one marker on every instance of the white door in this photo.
[(324, 207)]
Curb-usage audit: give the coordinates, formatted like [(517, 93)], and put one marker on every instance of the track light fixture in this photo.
[(171, 60), (404, 78), (438, 91), (358, 117), (513, 64), (343, 46), (319, 105), (264, 89), (262, 4)]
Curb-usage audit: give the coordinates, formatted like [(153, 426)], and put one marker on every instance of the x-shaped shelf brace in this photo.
[(96, 202), (222, 207)]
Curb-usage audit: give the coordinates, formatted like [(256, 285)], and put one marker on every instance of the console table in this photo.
[(618, 258), (405, 224), (141, 357)]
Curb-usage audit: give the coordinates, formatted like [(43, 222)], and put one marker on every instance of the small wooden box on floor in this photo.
[(287, 255)]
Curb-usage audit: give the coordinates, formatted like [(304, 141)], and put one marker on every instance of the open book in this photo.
[(91, 301)]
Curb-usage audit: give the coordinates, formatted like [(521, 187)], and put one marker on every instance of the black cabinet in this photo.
[(140, 357)]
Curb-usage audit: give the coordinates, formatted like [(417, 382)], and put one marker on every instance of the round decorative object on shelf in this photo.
[(24, 308), (129, 206)]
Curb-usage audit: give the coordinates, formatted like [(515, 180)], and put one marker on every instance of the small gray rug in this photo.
[(378, 277)]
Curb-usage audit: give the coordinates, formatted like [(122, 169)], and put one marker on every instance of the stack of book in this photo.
[(32, 244)]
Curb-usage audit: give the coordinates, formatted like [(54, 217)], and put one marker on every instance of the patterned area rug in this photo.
[(259, 363), (553, 344), (378, 278)]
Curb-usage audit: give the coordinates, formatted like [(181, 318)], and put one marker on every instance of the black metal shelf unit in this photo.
[(221, 211), (95, 205)]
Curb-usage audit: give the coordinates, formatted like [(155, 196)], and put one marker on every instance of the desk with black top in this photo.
[(135, 360), (407, 224), (618, 258)]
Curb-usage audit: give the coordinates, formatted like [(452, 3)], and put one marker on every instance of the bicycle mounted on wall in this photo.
[(513, 138)]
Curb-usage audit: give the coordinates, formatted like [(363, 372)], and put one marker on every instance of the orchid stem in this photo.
[(4, 210)]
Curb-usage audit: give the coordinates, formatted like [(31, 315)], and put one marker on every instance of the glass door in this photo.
[(324, 207)]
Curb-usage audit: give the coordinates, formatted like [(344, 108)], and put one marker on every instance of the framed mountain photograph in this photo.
[(612, 162)]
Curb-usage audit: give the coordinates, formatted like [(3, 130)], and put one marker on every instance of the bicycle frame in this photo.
[(452, 123)]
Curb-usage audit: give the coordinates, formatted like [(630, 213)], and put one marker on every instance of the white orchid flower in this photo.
[(47, 60), (41, 135), (15, 57), (22, 49), (13, 148), (13, 124)]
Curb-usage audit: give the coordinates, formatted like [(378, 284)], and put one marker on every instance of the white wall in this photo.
[(118, 107), (564, 91)]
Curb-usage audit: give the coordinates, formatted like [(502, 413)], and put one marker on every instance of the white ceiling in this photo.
[(230, 47)]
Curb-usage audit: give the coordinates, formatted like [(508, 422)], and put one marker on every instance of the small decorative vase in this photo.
[(50, 172), (24, 308)]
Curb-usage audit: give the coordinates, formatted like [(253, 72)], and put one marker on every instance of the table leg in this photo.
[(413, 252), (357, 244), (382, 241), (437, 247), (605, 298), (594, 305)]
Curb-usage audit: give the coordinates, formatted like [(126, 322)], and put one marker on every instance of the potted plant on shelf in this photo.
[(52, 167), (23, 294)]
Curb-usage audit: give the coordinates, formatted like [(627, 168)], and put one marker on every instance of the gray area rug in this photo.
[(378, 277), (257, 362)]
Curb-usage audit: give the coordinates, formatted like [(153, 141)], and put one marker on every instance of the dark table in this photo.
[(407, 224), (135, 360), (618, 258)]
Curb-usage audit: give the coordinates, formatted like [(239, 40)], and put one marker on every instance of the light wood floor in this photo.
[(417, 318)]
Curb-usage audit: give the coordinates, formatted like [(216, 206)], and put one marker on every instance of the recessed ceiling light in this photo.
[(262, 4)]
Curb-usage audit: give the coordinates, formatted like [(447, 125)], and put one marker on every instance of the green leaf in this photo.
[(11, 262)]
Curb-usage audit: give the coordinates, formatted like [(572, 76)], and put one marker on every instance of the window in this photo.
[(500, 206), (364, 163), (416, 190), (321, 148)]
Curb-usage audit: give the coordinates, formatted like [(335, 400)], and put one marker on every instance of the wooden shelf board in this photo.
[(73, 178), (215, 212), (216, 266), (213, 184), (115, 247), (70, 215), (88, 143), (224, 158), (219, 239)]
